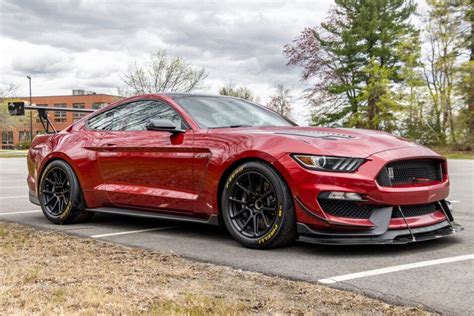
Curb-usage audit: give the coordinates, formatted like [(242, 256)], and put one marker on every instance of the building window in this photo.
[(7, 139), (98, 105), (76, 116), (24, 136), (60, 116), (37, 115)]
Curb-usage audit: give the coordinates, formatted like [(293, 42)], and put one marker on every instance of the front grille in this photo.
[(410, 172), (415, 210), (345, 209)]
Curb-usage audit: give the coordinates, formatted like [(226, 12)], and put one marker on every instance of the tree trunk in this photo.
[(471, 83), (372, 104)]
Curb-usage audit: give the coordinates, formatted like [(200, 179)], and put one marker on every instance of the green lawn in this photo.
[(13, 153), (459, 155)]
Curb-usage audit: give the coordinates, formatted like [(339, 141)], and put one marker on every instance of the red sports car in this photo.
[(222, 160)]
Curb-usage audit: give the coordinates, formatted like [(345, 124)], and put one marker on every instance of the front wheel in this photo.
[(60, 195), (257, 207)]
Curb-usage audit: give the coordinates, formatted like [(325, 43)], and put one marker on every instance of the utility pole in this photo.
[(31, 112)]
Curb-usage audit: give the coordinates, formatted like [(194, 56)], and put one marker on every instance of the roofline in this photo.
[(69, 95), (189, 94), (194, 94)]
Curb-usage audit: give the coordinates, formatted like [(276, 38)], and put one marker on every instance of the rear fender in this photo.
[(40, 155)]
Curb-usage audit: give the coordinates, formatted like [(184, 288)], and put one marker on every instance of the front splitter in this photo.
[(401, 236)]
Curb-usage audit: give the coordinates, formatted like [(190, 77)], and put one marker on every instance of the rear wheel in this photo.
[(257, 207), (60, 195)]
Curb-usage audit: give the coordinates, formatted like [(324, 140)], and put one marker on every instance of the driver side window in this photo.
[(135, 115)]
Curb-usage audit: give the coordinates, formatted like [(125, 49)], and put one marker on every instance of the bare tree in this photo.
[(160, 73), (8, 91), (241, 92), (281, 101), (442, 25)]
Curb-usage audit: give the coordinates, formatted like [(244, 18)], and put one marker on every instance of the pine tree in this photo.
[(339, 58), (412, 92)]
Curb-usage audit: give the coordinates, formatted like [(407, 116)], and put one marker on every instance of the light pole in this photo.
[(31, 114)]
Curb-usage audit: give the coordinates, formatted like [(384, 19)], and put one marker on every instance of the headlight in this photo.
[(326, 163)]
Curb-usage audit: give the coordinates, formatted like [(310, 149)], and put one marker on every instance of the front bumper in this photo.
[(382, 223), (307, 185), (381, 233)]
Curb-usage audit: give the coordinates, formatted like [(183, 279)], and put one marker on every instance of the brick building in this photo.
[(18, 135)]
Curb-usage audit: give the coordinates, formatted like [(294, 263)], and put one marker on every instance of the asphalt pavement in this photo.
[(437, 275)]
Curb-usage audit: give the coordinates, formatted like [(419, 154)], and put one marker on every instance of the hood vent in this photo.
[(316, 134)]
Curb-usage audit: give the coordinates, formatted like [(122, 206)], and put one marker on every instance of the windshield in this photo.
[(215, 112)]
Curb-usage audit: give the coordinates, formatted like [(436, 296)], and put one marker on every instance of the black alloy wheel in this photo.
[(60, 194), (257, 207), (56, 191), (253, 207)]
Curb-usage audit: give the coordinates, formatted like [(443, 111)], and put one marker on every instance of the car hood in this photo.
[(360, 143)]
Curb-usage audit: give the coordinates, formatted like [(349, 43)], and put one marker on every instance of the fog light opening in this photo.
[(346, 196)]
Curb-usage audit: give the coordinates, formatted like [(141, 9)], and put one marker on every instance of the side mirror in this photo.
[(162, 125)]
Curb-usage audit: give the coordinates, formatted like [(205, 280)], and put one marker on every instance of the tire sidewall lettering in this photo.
[(276, 227), (234, 174)]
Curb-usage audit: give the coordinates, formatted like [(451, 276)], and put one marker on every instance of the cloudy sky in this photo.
[(67, 45), (87, 44)]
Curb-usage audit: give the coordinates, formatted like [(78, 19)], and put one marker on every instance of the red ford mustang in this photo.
[(222, 160)]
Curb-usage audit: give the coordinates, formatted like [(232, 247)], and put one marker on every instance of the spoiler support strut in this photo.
[(18, 109)]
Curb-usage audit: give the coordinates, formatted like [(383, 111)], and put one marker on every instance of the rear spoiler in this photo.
[(18, 109)]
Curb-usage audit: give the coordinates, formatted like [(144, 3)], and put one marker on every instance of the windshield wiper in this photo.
[(231, 126)]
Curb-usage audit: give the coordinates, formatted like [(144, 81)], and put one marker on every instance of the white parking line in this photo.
[(10, 181), (133, 231), (13, 197), (18, 187), (24, 212), (402, 267)]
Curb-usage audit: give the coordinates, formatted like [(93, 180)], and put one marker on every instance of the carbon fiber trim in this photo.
[(402, 236)]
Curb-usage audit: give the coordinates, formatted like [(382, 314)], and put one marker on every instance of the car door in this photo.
[(141, 168)]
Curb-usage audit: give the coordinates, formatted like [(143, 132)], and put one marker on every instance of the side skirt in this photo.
[(212, 220)]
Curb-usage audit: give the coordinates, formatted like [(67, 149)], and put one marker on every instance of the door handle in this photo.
[(109, 145)]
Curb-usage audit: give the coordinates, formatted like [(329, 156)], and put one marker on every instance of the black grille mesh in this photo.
[(354, 210), (415, 210), (410, 171), (346, 209)]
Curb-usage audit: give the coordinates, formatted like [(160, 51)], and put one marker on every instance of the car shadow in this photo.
[(219, 235)]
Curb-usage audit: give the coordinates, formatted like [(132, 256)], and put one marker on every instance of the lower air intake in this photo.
[(415, 210), (345, 209), (359, 211)]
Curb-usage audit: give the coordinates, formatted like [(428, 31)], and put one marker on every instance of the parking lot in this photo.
[(437, 275)]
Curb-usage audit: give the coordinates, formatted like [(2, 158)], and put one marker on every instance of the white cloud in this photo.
[(66, 45)]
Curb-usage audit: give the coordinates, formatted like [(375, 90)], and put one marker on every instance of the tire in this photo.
[(60, 195), (256, 195)]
